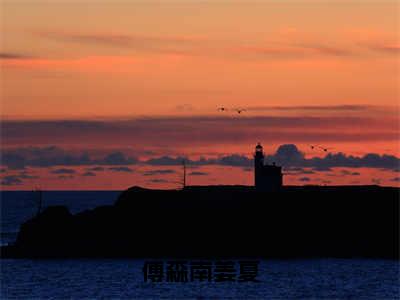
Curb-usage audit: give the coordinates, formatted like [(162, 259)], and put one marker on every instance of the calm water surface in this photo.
[(61, 279), (305, 279)]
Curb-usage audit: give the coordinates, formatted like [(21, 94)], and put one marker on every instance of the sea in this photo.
[(124, 278)]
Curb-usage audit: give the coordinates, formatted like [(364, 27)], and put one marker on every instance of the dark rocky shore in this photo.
[(221, 221)]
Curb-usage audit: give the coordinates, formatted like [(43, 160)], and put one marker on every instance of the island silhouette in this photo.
[(267, 220)]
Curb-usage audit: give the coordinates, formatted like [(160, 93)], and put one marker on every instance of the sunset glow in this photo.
[(145, 79)]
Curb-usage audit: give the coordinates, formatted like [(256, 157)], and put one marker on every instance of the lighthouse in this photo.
[(266, 177), (258, 164)]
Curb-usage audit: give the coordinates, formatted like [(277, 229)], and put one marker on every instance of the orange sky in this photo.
[(113, 58), (118, 60)]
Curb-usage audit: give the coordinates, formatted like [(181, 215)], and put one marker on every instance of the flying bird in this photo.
[(325, 149), (239, 111), (313, 146), (222, 108)]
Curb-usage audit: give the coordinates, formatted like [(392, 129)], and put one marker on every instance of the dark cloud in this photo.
[(396, 179), (11, 180), (63, 171), (118, 158), (307, 172), (198, 173), (346, 172), (287, 155), (293, 157), (88, 174), (13, 160), (95, 169), (305, 179), (200, 130), (25, 175), (3, 170), (297, 171), (17, 179), (233, 160), (9, 55), (19, 158), (322, 169), (157, 180), (230, 160), (121, 169), (313, 108), (168, 161), (158, 172)]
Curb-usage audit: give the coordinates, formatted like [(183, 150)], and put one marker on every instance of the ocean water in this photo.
[(292, 279), (123, 278)]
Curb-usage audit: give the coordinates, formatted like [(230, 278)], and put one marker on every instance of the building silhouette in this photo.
[(266, 177)]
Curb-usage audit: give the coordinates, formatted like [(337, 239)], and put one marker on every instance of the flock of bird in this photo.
[(238, 110), (320, 147)]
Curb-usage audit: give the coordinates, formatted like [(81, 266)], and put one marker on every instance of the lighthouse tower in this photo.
[(258, 165), (266, 177)]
